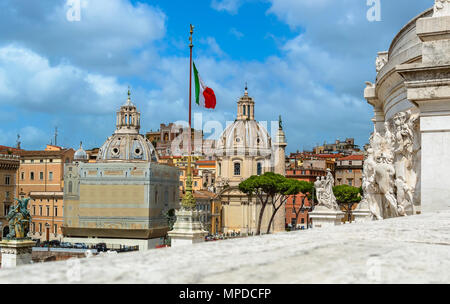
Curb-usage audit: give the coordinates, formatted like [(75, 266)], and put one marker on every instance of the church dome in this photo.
[(126, 144), (245, 135), (80, 154), (127, 147)]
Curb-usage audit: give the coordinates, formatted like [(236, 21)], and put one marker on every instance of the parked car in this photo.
[(80, 246), (101, 247), (55, 243), (66, 245)]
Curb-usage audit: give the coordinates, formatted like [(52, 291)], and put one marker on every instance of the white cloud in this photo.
[(230, 6), (108, 39), (29, 81), (236, 33)]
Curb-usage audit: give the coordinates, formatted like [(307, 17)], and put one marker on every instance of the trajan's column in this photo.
[(407, 169)]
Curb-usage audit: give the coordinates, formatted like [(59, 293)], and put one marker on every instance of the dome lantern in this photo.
[(128, 118)]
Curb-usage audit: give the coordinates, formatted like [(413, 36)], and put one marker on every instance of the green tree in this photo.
[(270, 188), (347, 196), (307, 189)]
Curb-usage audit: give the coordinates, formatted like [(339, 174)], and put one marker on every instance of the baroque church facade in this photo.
[(245, 149)]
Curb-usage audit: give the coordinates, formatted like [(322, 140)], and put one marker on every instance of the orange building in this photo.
[(297, 208), (40, 177), (9, 163)]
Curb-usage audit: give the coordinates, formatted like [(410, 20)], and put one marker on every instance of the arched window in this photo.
[(220, 169), (244, 110), (237, 168), (259, 169), (70, 187)]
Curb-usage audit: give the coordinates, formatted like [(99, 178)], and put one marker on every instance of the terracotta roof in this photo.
[(43, 153), (5, 148), (352, 157)]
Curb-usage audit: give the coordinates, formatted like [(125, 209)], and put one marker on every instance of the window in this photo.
[(350, 171), (55, 229), (41, 161), (303, 220), (40, 227), (34, 210), (51, 160), (48, 210), (32, 175), (22, 175), (33, 227), (237, 169), (70, 187), (258, 168), (50, 174), (32, 161), (41, 175), (350, 182), (40, 213), (195, 184), (220, 168), (7, 180), (7, 194), (56, 211)]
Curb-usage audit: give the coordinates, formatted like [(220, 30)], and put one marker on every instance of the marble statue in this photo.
[(381, 61), (19, 220), (324, 191), (441, 8), (391, 168)]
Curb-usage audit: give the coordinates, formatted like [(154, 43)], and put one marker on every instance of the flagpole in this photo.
[(188, 201)]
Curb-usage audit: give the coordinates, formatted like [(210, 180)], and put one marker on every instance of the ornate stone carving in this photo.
[(381, 60), (391, 168), (324, 192), (441, 8)]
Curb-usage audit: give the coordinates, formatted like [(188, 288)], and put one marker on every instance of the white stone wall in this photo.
[(400, 250)]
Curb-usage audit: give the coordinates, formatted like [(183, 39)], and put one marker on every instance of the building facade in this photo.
[(123, 198), (245, 149), (9, 164), (349, 171), (41, 178)]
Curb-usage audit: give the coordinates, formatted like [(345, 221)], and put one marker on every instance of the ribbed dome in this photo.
[(245, 136), (127, 147), (80, 154)]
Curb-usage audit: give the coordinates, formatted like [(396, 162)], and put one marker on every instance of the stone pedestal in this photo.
[(324, 217), (16, 253), (187, 230), (362, 212)]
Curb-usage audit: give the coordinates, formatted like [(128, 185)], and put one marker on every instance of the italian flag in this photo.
[(204, 96)]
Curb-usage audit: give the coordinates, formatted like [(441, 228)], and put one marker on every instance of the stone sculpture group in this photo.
[(391, 169), (324, 191)]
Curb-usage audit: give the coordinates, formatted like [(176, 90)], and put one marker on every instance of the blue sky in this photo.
[(306, 60)]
